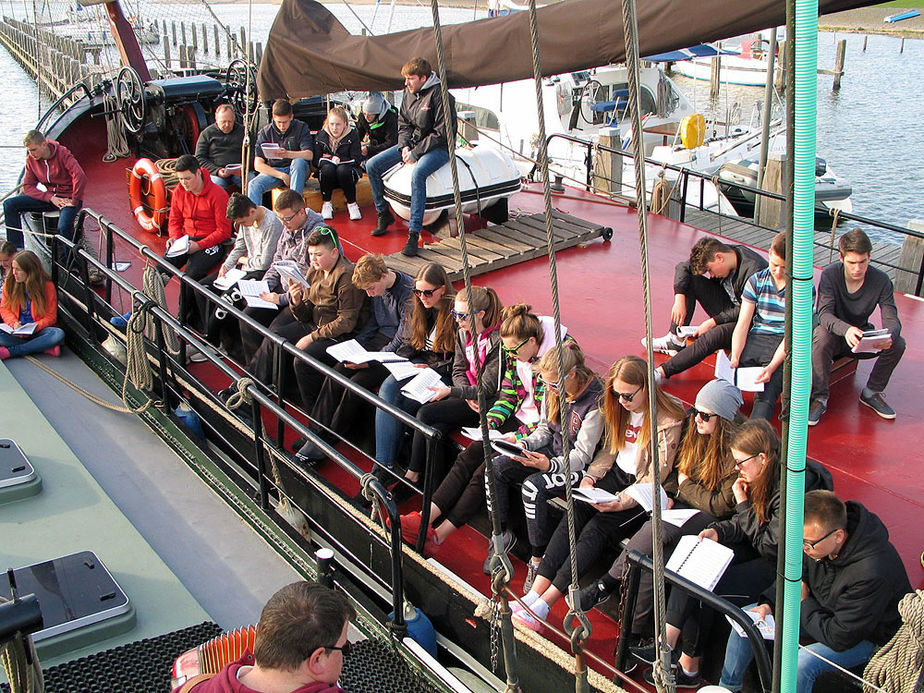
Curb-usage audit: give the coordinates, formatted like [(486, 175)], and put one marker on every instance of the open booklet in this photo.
[(872, 341), (642, 495), (593, 495), (743, 378), (352, 351), (505, 448), (473, 433), (229, 279), (21, 331), (765, 626), (701, 561), (251, 289), (179, 247), (289, 270), (401, 370), (418, 387)]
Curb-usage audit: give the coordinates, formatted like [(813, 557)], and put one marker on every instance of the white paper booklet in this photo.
[(179, 247), (743, 378), (352, 351), (701, 561), (270, 150), (251, 289), (642, 495), (402, 370), (22, 330), (418, 388), (229, 279), (593, 495), (475, 434), (289, 270), (766, 626), (872, 341), (678, 517)]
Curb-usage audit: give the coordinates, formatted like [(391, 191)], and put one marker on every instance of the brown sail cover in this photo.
[(309, 52)]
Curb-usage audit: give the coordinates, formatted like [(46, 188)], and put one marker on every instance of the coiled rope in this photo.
[(897, 666), (115, 130), (21, 664)]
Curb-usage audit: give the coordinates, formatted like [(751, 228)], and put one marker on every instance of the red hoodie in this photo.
[(202, 215), (60, 174), (226, 681)]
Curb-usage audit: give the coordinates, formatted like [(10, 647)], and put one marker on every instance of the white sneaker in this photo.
[(327, 211), (664, 345), (353, 209)]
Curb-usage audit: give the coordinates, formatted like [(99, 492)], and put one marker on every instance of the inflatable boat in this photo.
[(487, 177)]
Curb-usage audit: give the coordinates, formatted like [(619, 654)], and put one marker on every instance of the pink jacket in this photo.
[(60, 174)]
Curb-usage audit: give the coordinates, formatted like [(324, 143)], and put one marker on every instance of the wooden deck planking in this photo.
[(501, 245)]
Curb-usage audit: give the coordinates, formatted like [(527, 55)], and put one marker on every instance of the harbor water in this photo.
[(868, 130)]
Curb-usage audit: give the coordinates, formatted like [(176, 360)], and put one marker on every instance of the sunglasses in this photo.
[(809, 545), (462, 315), (515, 349), (701, 414), (345, 650), (426, 292), (553, 384), (627, 396), (739, 463)]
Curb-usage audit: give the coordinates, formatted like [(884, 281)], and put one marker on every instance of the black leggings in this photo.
[(445, 415), (198, 266), (343, 176)]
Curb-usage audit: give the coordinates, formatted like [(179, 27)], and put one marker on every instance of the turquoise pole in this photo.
[(800, 295)]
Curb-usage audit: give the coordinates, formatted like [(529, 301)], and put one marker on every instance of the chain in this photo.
[(623, 590), (495, 630)]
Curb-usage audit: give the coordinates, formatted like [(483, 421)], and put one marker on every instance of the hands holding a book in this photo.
[(439, 392), (709, 534), (536, 460), (764, 610)]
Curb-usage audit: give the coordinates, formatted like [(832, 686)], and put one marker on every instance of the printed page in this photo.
[(229, 279), (743, 378), (473, 433), (678, 517), (349, 351), (766, 627), (290, 271), (251, 289), (418, 388), (179, 247), (384, 356), (402, 370), (642, 495), (872, 342), (593, 495), (701, 561)]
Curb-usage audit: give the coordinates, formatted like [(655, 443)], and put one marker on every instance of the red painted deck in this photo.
[(872, 460)]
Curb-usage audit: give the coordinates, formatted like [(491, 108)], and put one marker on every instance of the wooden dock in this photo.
[(885, 255), (502, 245)]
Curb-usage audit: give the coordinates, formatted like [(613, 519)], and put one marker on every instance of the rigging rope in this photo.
[(663, 676), (897, 666), (23, 671), (115, 129)]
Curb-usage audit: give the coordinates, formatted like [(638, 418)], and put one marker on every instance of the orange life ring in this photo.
[(145, 168)]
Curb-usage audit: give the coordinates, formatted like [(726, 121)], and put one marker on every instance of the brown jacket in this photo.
[(332, 304), (668, 444)]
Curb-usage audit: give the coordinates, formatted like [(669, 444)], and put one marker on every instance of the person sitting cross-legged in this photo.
[(852, 582), (848, 293), (719, 294)]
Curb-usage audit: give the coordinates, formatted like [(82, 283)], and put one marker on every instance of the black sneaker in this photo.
[(510, 541), (681, 680), (385, 219), (816, 409), (411, 248), (310, 451), (877, 403), (594, 594), (645, 652)]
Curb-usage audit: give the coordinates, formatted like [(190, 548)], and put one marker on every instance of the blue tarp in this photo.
[(701, 51)]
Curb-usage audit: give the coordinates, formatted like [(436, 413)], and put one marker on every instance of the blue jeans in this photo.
[(388, 430), (259, 184), (14, 207), (738, 656), (427, 164), (40, 341), (223, 183)]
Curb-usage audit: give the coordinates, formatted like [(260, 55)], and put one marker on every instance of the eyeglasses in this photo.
[(809, 545), (739, 463), (426, 292), (286, 220), (553, 384), (701, 414), (462, 315), (516, 349), (627, 396), (345, 650)]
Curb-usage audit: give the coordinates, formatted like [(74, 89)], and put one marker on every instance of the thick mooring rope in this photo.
[(898, 665)]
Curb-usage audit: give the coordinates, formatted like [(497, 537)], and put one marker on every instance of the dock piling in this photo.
[(839, 63)]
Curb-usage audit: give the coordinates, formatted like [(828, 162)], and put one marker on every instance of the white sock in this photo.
[(690, 674), (530, 598), (540, 608)]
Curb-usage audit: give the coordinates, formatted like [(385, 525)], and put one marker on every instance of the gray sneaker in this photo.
[(667, 344), (532, 570), (877, 403), (816, 409), (510, 541)]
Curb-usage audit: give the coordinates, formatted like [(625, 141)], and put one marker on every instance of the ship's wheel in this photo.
[(130, 98), (590, 95), (236, 85)]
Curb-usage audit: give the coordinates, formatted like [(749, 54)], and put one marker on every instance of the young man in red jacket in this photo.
[(52, 166), (198, 211), (300, 647)]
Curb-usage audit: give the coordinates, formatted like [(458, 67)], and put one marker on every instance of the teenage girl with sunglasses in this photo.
[(427, 339), (623, 461)]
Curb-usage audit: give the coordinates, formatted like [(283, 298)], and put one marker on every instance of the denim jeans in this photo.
[(14, 207), (223, 183), (388, 430), (40, 341), (259, 184), (738, 656), (426, 164)]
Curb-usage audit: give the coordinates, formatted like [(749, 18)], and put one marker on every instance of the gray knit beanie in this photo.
[(375, 104), (720, 397)]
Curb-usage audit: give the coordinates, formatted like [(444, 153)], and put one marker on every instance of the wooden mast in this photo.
[(125, 39)]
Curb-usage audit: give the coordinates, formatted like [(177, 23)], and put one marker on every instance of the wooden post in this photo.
[(173, 28), (183, 33), (839, 63), (228, 39), (715, 79), (205, 39), (243, 45), (166, 51), (865, 39), (191, 56), (217, 42), (607, 165), (195, 36), (259, 56), (183, 64), (771, 209), (901, 48), (912, 255)]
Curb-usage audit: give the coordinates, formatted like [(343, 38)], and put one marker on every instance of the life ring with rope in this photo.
[(145, 168)]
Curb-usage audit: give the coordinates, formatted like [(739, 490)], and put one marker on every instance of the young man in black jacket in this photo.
[(719, 294), (852, 581), (421, 141)]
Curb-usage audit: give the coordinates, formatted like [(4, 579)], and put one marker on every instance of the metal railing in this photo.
[(704, 179), (71, 271)]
